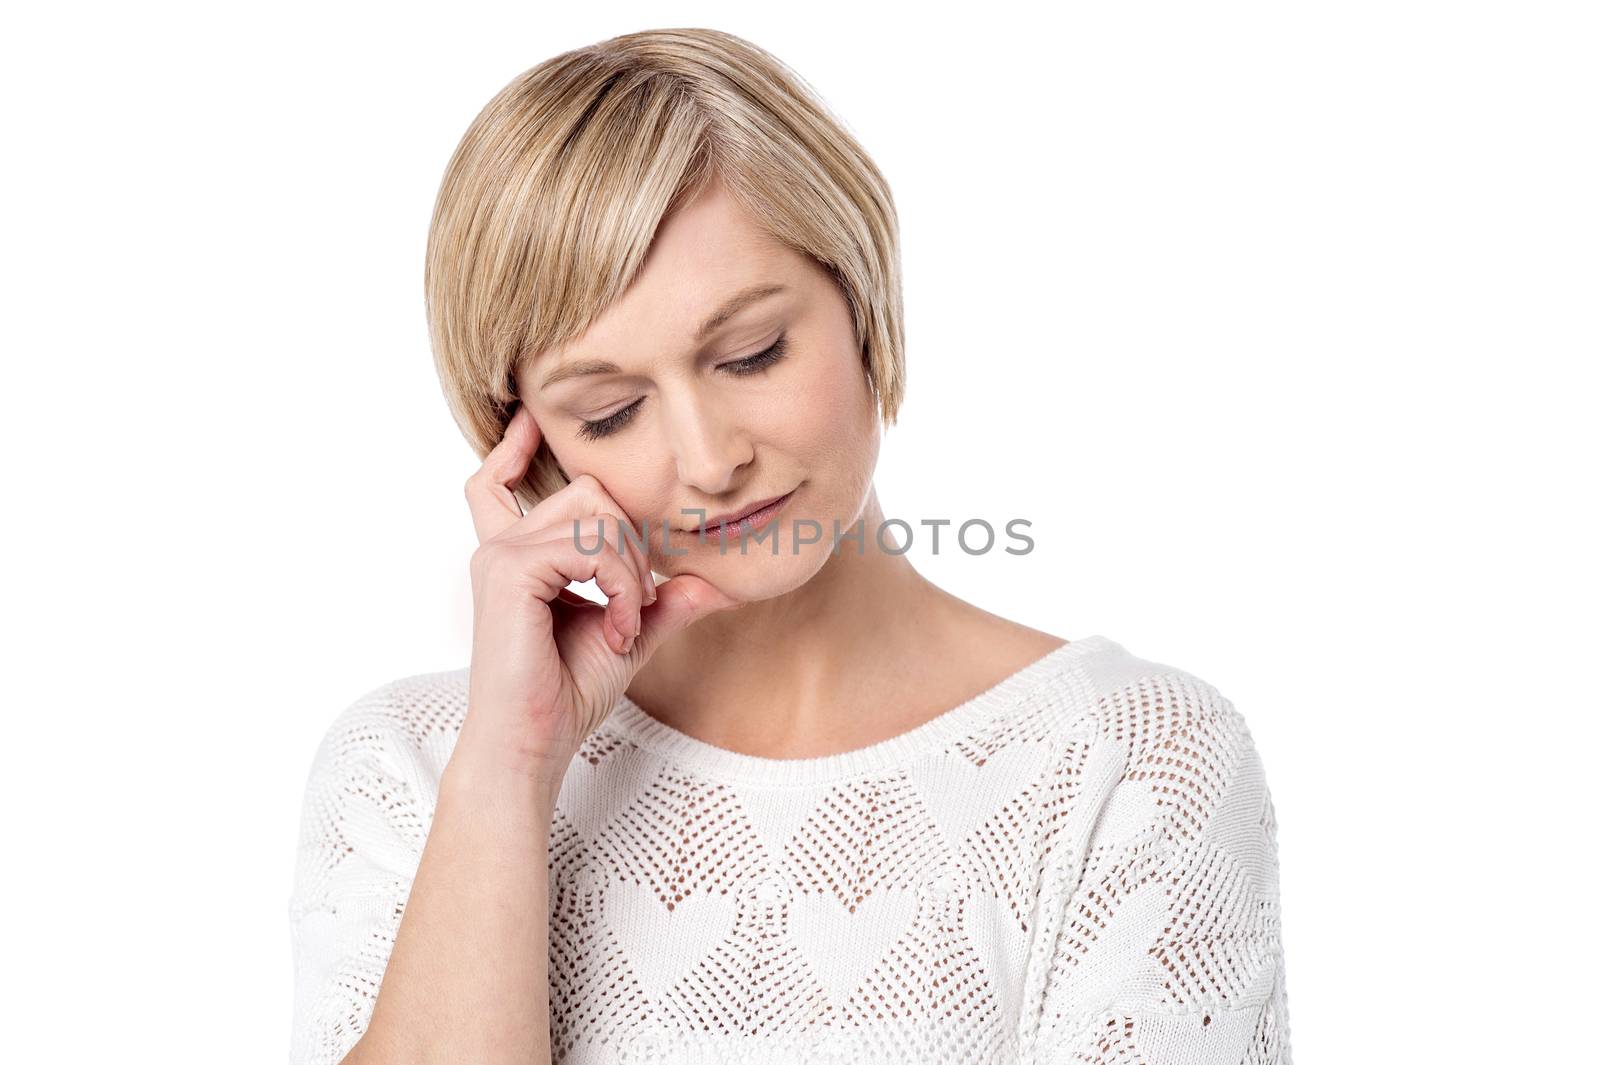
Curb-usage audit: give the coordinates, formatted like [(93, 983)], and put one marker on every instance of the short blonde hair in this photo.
[(553, 196)]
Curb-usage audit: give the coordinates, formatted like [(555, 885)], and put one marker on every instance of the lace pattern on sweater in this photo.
[(1089, 875)]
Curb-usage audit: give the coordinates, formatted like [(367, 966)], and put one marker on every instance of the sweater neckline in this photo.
[(630, 718)]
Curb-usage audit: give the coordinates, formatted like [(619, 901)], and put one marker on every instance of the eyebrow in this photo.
[(736, 303)]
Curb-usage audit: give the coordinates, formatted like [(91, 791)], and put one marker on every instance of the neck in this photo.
[(787, 676)]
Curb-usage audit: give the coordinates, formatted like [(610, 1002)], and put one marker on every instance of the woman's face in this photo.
[(720, 420)]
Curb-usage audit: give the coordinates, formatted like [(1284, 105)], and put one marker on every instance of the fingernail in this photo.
[(627, 645)]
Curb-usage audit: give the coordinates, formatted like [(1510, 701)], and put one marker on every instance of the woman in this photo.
[(792, 802)]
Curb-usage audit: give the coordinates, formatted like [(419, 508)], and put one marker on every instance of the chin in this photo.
[(755, 573)]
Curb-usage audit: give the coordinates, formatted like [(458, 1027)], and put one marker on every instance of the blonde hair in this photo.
[(551, 200)]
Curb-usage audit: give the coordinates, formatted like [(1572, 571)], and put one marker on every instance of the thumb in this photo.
[(680, 602)]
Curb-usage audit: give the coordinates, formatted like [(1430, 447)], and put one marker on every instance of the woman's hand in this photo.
[(548, 664)]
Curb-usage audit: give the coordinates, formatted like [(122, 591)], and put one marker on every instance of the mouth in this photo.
[(752, 517)]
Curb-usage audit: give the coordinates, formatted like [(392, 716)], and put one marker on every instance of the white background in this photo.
[(1277, 320)]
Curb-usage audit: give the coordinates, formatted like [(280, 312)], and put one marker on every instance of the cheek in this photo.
[(833, 429), (842, 400)]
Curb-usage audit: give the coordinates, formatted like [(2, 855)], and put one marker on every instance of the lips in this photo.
[(734, 517)]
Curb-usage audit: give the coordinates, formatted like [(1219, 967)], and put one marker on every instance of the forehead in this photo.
[(704, 252)]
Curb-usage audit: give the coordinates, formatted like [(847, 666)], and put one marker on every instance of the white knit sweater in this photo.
[(1078, 865)]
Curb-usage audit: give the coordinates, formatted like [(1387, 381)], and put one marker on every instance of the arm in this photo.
[(468, 976), (457, 935), (428, 884)]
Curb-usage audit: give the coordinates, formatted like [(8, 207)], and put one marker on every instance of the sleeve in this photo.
[(1168, 948), (369, 799)]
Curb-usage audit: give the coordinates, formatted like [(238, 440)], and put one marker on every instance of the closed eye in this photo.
[(762, 359), (757, 363)]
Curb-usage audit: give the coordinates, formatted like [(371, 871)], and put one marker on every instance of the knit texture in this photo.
[(1079, 865)]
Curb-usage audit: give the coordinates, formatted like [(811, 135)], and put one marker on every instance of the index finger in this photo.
[(490, 491)]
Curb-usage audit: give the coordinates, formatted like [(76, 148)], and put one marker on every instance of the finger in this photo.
[(490, 491), (586, 497), (589, 535), (682, 600), (517, 568), (558, 562), (588, 531), (607, 505)]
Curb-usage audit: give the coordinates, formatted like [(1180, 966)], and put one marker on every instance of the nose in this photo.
[(708, 441)]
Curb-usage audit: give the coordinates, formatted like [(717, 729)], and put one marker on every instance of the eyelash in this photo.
[(756, 363)]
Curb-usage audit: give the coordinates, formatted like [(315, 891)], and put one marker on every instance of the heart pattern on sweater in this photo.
[(592, 796), (961, 795), (662, 945), (842, 947)]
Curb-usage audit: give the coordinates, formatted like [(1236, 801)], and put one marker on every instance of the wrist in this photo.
[(483, 785), (502, 768)]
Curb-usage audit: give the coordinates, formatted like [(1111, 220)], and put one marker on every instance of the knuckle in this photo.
[(592, 491), (489, 557)]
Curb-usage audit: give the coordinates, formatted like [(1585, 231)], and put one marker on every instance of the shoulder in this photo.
[(407, 725), (1138, 704), (369, 794), (1172, 777), (1155, 729)]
